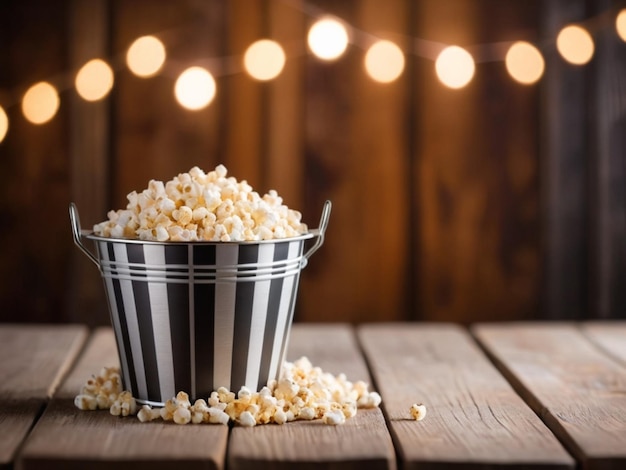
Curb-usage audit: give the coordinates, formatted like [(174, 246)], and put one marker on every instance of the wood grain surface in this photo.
[(570, 376), (474, 418), (67, 438), (609, 336), (362, 442), (33, 360), (577, 389)]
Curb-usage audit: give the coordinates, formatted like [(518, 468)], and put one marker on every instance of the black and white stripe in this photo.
[(198, 316)]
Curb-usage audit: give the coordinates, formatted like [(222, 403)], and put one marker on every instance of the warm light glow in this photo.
[(264, 59), (145, 56), (94, 80), (620, 24), (40, 103), (195, 88), (524, 63), (384, 62), (328, 39), (4, 124), (575, 45), (455, 67)]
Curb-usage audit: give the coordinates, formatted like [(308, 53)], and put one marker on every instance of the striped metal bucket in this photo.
[(200, 315)]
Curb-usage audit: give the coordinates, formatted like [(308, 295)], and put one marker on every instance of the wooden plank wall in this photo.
[(466, 205)]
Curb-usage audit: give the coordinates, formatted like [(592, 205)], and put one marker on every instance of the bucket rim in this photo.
[(92, 236)]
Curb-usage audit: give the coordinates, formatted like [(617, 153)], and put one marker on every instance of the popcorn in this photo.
[(182, 415), (303, 392), (418, 411), (100, 391), (85, 402), (197, 206), (247, 419), (124, 405), (217, 416), (148, 414), (333, 417)]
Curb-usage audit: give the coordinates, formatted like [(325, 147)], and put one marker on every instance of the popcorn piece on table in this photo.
[(148, 414), (100, 391), (124, 405), (418, 411), (334, 417), (303, 392)]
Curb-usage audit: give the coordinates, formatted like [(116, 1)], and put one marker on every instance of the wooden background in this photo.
[(494, 202)]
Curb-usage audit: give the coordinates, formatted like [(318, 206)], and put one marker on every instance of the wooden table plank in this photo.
[(578, 390), (67, 438), (362, 442), (609, 336), (474, 418), (33, 359)]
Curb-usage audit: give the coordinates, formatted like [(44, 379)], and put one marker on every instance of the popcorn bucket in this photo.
[(196, 316)]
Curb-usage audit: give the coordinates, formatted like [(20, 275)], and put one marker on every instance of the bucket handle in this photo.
[(76, 233), (318, 232)]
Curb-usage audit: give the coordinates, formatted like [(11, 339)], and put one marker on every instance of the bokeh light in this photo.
[(4, 123), (575, 45), (455, 67), (620, 24), (146, 56), (264, 59), (195, 88), (40, 103), (328, 39), (524, 63), (384, 61), (94, 80)]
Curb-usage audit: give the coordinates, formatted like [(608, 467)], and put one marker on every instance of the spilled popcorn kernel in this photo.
[(123, 405), (100, 391), (418, 411), (147, 413), (303, 392)]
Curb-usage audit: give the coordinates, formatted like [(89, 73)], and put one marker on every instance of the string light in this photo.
[(264, 59), (146, 56), (455, 67), (195, 88), (575, 45), (524, 63), (384, 61), (40, 103), (4, 123), (94, 80), (328, 39), (620, 24)]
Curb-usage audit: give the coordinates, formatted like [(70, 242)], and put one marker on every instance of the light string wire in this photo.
[(361, 39)]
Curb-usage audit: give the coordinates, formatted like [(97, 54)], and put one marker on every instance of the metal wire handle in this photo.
[(77, 232), (318, 232)]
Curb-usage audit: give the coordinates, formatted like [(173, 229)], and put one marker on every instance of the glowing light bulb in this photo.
[(195, 88), (264, 59), (575, 45), (524, 63), (40, 103), (145, 56), (455, 67), (384, 61), (94, 80), (328, 39), (4, 124), (620, 24)]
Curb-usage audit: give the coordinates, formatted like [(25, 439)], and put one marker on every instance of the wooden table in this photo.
[(510, 395)]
